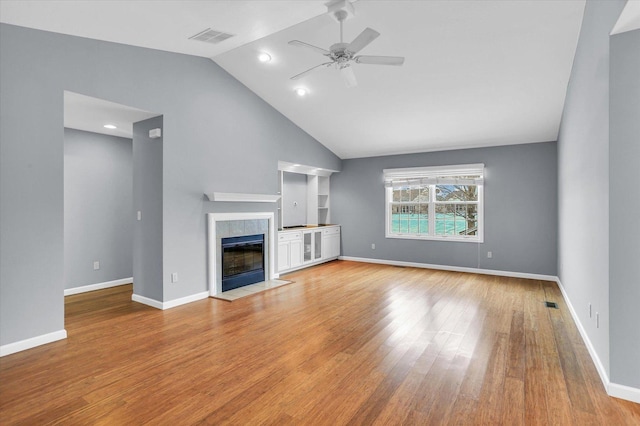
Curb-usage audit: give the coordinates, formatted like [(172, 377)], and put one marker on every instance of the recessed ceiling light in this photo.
[(301, 91), (109, 126), (264, 57)]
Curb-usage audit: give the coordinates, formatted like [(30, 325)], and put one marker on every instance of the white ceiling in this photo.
[(477, 73)]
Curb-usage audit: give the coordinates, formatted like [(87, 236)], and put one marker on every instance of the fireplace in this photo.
[(242, 261), (227, 227)]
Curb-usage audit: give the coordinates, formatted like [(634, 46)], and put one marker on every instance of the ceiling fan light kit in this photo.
[(342, 54)]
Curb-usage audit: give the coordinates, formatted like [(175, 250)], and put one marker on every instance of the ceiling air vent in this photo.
[(211, 36)]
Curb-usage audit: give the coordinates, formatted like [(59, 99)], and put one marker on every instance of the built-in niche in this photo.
[(305, 194), (294, 199)]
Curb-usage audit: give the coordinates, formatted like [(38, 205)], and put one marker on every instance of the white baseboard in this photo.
[(585, 338), (171, 303), (183, 300), (98, 286), (146, 301), (613, 389), (32, 342), (624, 392), (453, 268)]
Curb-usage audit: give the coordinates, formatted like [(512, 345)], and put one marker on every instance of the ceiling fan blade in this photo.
[(360, 42), (380, 60), (348, 76), (302, 74), (309, 46)]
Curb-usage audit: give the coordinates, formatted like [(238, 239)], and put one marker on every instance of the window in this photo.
[(435, 203)]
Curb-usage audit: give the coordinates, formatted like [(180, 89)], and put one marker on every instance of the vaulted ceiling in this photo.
[(477, 73)]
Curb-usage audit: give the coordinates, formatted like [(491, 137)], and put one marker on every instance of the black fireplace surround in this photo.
[(242, 261)]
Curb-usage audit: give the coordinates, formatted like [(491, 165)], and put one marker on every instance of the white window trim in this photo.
[(435, 175)]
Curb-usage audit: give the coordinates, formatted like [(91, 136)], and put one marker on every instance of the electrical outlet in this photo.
[(373, 246), (139, 215), (489, 255), (174, 277), (96, 265)]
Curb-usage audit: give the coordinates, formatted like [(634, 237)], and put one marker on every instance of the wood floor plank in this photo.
[(346, 343)]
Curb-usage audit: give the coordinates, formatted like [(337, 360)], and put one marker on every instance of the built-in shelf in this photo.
[(239, 197)]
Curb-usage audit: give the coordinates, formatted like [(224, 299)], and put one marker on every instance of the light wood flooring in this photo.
[(346, 343)]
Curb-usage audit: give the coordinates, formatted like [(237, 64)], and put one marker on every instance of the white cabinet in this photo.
[(289, 250), (331, 242), (312, 245), (307, 246)]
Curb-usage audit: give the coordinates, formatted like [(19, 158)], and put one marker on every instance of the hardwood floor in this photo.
[(346, 343)]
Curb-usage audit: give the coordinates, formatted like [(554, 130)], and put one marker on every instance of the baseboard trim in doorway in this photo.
[(171, 303), (98, 286), (32, 342)]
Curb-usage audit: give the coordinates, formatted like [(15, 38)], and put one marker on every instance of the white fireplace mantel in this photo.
[(240, 197), (215, 287)]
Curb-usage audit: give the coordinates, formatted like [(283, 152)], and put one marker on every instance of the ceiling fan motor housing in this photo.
[(339, 52)]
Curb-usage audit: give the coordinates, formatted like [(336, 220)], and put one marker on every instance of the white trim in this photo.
[(285, 166), (453, 268), (184, 300), (613, 389), (32, 342), (604, 377), (624, 392), (146, 301), (214, 286), (245, 198), (98, 286)]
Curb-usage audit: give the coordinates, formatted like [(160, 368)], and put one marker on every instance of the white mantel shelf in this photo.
[(245, 198)]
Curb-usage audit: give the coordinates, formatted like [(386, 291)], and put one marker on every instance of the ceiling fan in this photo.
[(343, 55)]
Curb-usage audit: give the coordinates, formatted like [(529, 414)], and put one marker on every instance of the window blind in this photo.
[(465, 174)]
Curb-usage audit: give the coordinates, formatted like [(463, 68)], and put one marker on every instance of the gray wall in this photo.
[(624, 191), (147, 199), (294, 189), (218, 136), (98, 196), (583, 176), (520, 210)]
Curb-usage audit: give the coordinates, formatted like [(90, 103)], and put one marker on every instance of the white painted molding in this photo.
[(452, 268), (32, 342), (98, 286), (245, 198), (613, 389), (146, 301), (184, 300), (171, 303), (624, 392), (604, 377)]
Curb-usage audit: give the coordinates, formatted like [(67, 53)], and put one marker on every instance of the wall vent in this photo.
[(211, 36)]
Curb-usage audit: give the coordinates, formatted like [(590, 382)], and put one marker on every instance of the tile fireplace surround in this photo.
[(224, 225)]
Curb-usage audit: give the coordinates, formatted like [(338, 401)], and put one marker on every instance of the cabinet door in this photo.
[(295, 253), (307, 245), (334, 244), (317, 244), (284, 249)]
